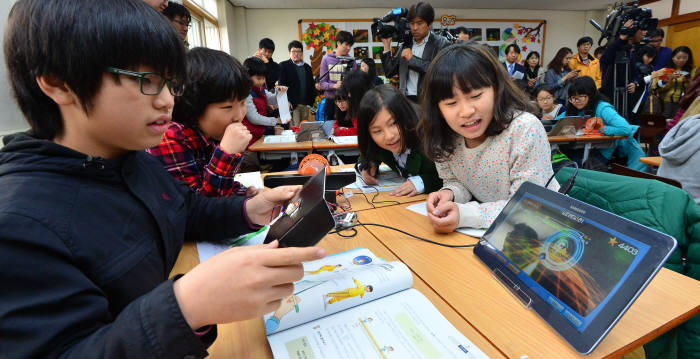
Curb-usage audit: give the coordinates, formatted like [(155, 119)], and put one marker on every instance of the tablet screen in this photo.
[(573, 263)]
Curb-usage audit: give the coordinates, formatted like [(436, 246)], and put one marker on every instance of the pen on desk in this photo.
[(296, 305)]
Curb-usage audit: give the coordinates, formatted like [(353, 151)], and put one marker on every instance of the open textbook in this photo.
[(356, 305)]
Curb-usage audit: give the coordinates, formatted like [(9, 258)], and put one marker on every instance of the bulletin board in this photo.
[(318, 36), (530, 35)]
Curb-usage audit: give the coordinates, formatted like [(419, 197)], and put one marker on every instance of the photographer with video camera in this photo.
[(618, 65), (414, 53)]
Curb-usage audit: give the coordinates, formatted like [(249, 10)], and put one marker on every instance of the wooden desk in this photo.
[(587, 142), (360, 202), (259, 146), (326, 144), (460, 278), (654, 161), (557, 139), (247, 339)]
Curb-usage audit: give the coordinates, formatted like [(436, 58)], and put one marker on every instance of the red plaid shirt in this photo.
[(189, 156)]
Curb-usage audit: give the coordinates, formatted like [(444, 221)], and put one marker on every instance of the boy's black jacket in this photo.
[(86, 247)]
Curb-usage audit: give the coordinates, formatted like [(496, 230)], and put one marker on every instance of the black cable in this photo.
[(398, 230), (376, 194), (569, 183)]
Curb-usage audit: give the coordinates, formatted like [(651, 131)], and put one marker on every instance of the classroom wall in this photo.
[(11, 119), (564, 28)]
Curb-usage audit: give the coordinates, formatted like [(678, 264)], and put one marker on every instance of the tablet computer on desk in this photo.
[(563, 126), (309, 131), (306, 219), (578, 267)]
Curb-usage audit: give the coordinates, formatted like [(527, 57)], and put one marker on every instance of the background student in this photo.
[(583, 63), (549, 108), (342, 104), (180, 17), (387, 133), (91, 224), (332, 70), (204, 144), (260, 103), (370, 68), (584, 99), (356, 84), (478, 129), (266, 47)]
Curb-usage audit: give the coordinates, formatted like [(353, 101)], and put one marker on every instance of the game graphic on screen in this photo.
[(577, 261)]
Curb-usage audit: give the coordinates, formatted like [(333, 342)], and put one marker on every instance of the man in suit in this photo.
[(412, 59), (298, 77), (515, 69)]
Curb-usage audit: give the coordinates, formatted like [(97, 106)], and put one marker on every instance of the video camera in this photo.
[(446, 33), (619, 15), (382, 30)]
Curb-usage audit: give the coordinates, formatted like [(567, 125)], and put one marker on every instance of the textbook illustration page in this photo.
[(403, 325)]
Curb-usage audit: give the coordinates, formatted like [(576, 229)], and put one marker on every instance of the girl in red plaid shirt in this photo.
[(205, 142)]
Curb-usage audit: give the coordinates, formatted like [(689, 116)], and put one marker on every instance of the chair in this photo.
[(650, 126), (626, 171)]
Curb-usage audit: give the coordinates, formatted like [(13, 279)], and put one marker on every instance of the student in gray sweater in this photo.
[(680, 153)]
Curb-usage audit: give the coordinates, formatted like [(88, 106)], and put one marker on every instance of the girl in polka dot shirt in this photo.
[(478, 129)]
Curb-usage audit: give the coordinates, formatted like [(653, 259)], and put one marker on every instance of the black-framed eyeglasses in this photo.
[(151, 83), (183, 23)]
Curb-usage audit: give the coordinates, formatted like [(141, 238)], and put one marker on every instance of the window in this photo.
[(204, 30)]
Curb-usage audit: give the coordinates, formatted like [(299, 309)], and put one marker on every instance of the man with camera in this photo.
[(618, 68), (413, 57)]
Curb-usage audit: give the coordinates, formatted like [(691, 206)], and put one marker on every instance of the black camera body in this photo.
[(619, 16), (383, 30), (446, 33)]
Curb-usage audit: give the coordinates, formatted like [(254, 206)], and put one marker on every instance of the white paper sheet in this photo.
[(421, 208), (345, 140), (250, 179), (283, 106), (279, 139), (517, 75)]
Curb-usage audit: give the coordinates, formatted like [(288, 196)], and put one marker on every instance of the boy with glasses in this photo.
[(180, 17), (298, 77), (91, 224), (584, 63), (663, 53)]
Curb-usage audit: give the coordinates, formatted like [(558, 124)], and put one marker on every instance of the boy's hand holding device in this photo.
[(241, 283), (235, 138), (259, 207)]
